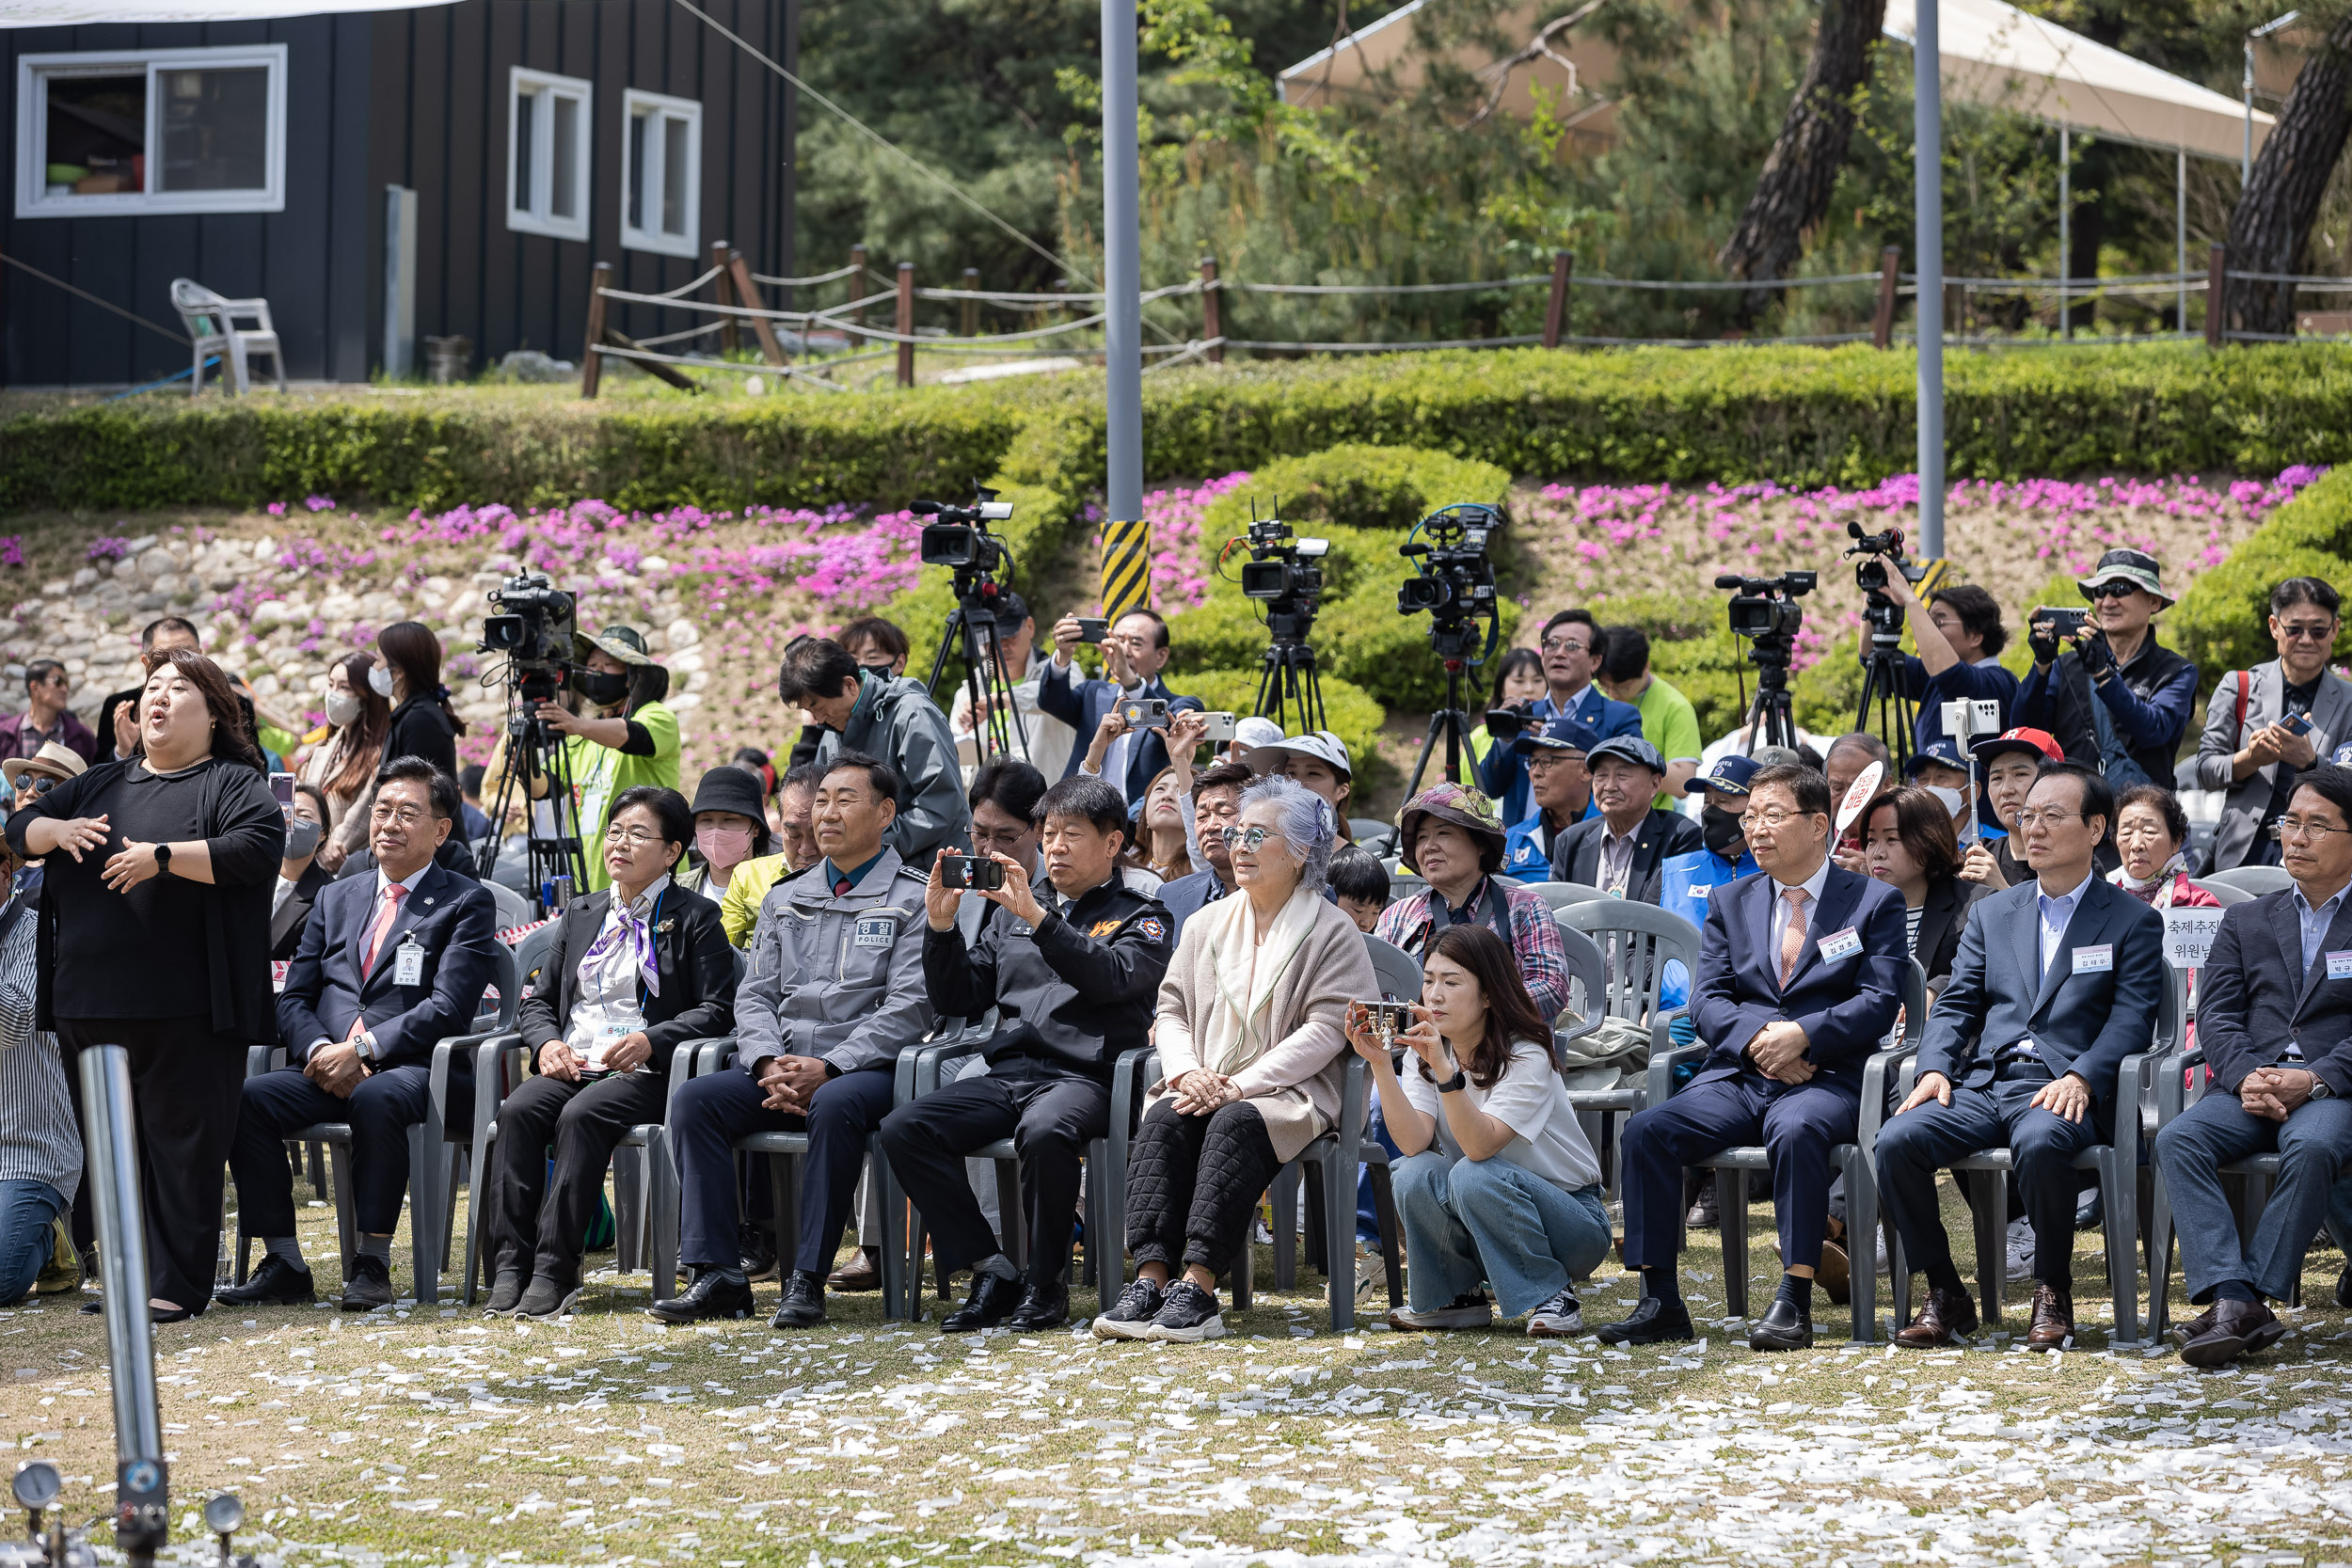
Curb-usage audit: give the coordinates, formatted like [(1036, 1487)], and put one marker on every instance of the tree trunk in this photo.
[(2271, 225), (1792, 194)]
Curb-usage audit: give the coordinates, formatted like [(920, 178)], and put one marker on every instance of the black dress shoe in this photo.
[(275, 1283), (1043, 1306), (2344, 1288), (2238, 1328), (506, 1293), (1653, 1323), (758, 1250), (369, 1284), (994, 1297), (709, 1298), (170, 1314), (804, 1304), (1785, 1325)]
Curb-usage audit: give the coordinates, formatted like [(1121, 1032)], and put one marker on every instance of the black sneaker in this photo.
[(370, 1286), (758, 1249), (275, 1283), (1130, 1317), (803, 1303), (709, 1298), (506, 1293), (1187, 1316), (1562, 1317), (548, 1298)]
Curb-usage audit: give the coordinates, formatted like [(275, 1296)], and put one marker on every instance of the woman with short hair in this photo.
[(2152, 834), (1252, 1061)]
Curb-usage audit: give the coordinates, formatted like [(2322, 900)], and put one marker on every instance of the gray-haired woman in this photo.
[(1252, 1052)]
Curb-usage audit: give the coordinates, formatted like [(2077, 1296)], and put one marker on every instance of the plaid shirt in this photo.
[(1535, 938)]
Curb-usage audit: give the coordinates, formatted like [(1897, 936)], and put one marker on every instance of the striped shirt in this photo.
[(38, 1138)]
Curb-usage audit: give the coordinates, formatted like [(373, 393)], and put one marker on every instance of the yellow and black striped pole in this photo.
[(1126, 568)]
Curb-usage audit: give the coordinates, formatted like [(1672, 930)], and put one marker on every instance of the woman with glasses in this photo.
[(637, 969), (1251, 1061), (2266, 724)]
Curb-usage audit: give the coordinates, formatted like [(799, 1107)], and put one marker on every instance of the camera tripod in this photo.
[(1288, 677), (1885, 680), (1771, 718), (1450, 721), (971, 635), (537, 764)]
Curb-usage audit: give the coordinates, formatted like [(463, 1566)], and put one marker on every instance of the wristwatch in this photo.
[(1459, 1082), (2319, 1087), (163, 860)]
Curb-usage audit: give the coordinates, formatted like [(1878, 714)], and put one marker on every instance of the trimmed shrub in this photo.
[(1354, 716), (2222, 622)]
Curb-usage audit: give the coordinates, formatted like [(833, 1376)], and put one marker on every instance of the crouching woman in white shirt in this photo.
[(1498, 1184)]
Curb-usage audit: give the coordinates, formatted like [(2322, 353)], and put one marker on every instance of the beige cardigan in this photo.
[(1295, 1083)]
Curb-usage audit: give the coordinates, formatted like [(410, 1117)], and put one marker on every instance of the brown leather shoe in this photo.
[(1834, 1273), (1944, 1316), (2238, 1328), (862, 1273), (2053, 1318), (2183, 1332)]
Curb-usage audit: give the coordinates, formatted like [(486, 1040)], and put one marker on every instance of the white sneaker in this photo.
[(1561, 1317), (1472, 1310), (2020, 1251)]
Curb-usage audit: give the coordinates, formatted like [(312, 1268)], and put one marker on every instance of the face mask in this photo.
[(601, 687), (342, 708), (302, 838), (1720, 829), (380, 680), (724, 846)]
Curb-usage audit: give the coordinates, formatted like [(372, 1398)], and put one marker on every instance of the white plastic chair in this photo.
[(212, 321)]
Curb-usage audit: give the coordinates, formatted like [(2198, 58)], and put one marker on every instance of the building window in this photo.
[(156, 130), (546, 190), (661, 178)]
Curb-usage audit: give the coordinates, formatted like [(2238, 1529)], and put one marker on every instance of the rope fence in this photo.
[(736, 304)]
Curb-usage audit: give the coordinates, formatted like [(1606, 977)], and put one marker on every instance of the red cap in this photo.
[(2034, 742)]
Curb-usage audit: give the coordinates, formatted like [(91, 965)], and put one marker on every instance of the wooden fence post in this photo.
[(971, 306), (2217, 297), (1882, 320), (1955, 309), (857, 289), (1211, 311), (747, 290), (905, 324), (1556, 308), (591, 362), (730, 327)]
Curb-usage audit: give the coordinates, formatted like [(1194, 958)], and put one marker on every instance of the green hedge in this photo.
[(2222, 622), (1355, 718), (1801, 416)]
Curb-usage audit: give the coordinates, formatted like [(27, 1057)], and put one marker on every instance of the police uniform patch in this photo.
[(876, 931), (1153, 927)]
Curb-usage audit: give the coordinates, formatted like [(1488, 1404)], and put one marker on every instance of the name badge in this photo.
[(2340, 965), (408, 964), (2095, 960), (877, 931), (1840, 945)]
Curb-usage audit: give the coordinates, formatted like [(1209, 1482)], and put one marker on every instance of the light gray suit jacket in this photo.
[(2250, 797)]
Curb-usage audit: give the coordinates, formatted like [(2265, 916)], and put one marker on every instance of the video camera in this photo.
[(1279, 576), (1765, 609), (1455, 579), (533, 628), (1880, 551), (959, 539)]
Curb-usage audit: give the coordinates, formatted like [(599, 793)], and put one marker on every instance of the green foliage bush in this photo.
[(2222, 622), (1355, 716)]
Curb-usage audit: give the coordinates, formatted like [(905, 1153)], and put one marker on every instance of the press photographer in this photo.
[(2115, 698), (1135, 651), (2267, 725), (892, 718), (621, 736), (1958, 637)]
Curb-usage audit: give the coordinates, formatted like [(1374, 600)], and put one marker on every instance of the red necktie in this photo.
[(1792, 935), (393, 893)]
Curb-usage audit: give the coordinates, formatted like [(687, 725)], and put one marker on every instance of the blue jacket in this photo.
[(1845, 1006), (451, 916), (2148, 706), (1504, 772), (1188, 895), (1527, 853), (1081, 705), (1684, 884)]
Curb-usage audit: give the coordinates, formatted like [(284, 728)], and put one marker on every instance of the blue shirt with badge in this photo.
[(1527, 848)]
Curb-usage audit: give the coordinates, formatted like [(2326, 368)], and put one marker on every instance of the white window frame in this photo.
[(688, 245), (533, 92), (34, 73)]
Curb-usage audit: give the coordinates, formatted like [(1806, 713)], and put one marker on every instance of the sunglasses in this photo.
[(43, 783), (2112, 590)]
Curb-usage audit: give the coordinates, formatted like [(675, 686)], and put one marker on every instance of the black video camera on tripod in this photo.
[(1454, 579), (1884, 681), (959, 540), (1766, 612), (1284, 573), (534, 627)]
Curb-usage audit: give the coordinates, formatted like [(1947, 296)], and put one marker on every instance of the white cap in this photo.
[(1322, 745), (1254, 732)]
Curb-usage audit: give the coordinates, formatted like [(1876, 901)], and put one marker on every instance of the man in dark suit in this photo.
[(1134, 655), (2058, 980), (389, 967), (1799, 976), (2274, 1015), (1623, 850)]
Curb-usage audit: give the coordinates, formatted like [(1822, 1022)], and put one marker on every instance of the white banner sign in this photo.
[(2188, 936)]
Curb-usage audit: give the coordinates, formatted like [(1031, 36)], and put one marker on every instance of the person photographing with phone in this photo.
[(2115, 699), (2267, 724), (1135, 651)]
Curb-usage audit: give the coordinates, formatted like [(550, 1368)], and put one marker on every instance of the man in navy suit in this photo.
[(2058, 980), (1799, 977), (1134, 655), (391, 965), (1573, 648), (2274, 1015)]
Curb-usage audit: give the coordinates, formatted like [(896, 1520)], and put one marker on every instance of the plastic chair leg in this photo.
[(1862, 1224), (662, 1215), (1282, 1214), (1338, 1209), (424, 1212), (1731, 1212), (901, 1284), (479, 1160), (628, 1218), (346, 1217), (784, 1188), (321, 1185), (1244, 1280), (1012, 1215), (449, 1198), (1988, 1209), (1392, 1256)]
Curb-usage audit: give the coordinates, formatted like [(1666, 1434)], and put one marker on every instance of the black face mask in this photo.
[(1721, 832), (601, 687)]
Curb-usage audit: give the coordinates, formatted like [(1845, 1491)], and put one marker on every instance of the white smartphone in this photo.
[(1220, 726)]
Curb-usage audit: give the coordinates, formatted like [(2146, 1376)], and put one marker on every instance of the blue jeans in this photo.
[(2312, 1144), (1468, 1220), (26, 1209)]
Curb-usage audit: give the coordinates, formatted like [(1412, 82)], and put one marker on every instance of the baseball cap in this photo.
[(1945, 752), (1254, 732), (2136, 567), (2039, 744), (1730, 775), (1777, 756), (1012, 610), (1322, 745), (1632, 748), (1558, 735)]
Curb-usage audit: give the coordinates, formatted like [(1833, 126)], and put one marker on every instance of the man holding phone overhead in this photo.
[(1135, 651)]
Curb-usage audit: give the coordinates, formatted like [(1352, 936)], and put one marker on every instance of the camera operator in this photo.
[(892, 718), (1133, 654), (624, 735), (1045, 741), (2115, 699), (1669, 721), (1960, 639), (1559, 787), (2267, 724), (1574, 650)]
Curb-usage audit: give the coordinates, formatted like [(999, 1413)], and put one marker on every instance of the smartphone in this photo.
[(2296, 723), (1505, 723), (1145, 713), (963, 871), (2064, 623), (1220, 726), (282, 789), (1092, 631)]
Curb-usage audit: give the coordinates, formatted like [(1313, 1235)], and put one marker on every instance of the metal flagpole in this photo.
[(2066, 220), (2180, 234), (1927, 119), (1122, 267), (142, 1499)]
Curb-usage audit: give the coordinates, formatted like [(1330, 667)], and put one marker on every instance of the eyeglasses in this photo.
[(2295, 827), (408, 817), (1561, 645), (2326, 633), (2032, 817), (636, 838), (2112, 590), (1251, 839), (1771, 819)]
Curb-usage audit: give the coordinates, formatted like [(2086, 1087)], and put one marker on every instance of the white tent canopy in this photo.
[(86, 13), (1996, 54)]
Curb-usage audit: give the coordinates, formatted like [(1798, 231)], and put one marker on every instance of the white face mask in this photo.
[(380, 680), (342, 708)]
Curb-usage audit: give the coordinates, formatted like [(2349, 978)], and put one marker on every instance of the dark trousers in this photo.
[(1049, 1114), (713, 1111), (538, 1223), (183, 1099), (1913, 1147), (1798, 1125), (1193, 1183), (277, 1105)]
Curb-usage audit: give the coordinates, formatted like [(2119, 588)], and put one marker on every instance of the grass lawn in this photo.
[(432, 1435)]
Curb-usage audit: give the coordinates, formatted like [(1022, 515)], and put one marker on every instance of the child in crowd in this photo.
[(1361, 883)]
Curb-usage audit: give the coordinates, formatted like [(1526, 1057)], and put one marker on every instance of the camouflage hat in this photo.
[(1465, 808)]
